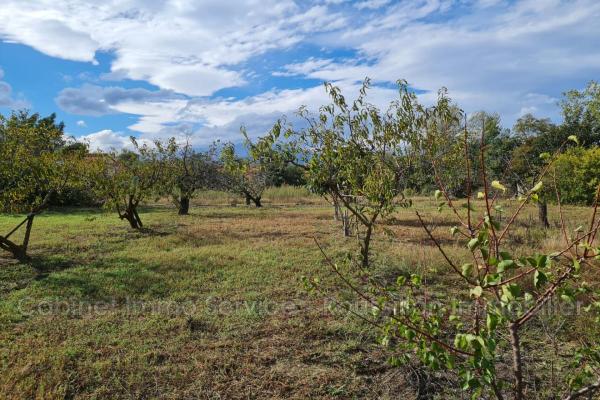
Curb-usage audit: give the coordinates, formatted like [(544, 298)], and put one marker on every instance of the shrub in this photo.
[(578, 174)]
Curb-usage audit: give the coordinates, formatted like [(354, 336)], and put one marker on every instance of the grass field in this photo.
[(206, 306)]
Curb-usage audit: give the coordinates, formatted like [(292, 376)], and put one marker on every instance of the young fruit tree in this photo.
[(34, 166), (190, 171), (488, 338), (357, 155), (247, 176), (125, 180)]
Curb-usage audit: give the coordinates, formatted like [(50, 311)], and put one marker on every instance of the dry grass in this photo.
[(208, 306)]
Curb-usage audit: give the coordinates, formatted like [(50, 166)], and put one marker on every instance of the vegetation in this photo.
[(124, 180), (34, 166), (245, 176), (577, 174), (191, 172), (455, 286)]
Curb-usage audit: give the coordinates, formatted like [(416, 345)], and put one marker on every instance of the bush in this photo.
[(578, 175)]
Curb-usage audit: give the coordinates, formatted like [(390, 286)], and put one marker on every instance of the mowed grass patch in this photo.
[(202, 306), (210, 305)]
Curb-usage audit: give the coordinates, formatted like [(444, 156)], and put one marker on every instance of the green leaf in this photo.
[(497, 185), (567, 297), (491, 322), (505, 264), (415, 279), (438, 194), (454, 230), (467, 269), (473, 243), (537, 187), (539, 279), (510, 292), (476, 292), (492, 279), (576, 265)]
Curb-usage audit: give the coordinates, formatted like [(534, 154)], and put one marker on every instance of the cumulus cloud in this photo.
[(185, 46), (493, 55), (108, 140), (105, 140), (81, 123), (511, 57), (6, 97), (96, 100)]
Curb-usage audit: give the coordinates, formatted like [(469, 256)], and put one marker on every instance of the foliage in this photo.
[(34, 166), (247, 176), (581, 113), (577, 174), (126, 179), (31, 163), (190, 171), (503, 292)]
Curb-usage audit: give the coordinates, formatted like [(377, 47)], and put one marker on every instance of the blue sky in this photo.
[(155, 69)]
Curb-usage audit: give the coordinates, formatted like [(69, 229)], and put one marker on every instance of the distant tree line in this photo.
[(360, 158)]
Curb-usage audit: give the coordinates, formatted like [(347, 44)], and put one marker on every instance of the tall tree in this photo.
[(355, 154), (581, 114), (539, 137), (33, 167)]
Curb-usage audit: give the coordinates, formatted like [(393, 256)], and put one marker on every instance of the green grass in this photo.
[(197, 307), (209, 305)]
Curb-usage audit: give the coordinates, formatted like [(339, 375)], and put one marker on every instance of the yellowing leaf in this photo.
[(477, 291), (497, 185), (537, 187), (573, 138)]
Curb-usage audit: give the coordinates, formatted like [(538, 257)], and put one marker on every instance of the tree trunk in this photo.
[(184, 205), (137, 218), (365, 246), (17, 251), (255, 200), (336, 208), (20, 251), (346, 223), (133, 218), (516, 361), (543, 213)]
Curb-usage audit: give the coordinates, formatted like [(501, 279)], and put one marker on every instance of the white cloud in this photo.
[(487, 59), (185, 46), (371, 4), (6, 96), (106, 140), (81, 123), (506, 56)]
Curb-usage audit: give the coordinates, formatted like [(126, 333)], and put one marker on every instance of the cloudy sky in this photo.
[(151, 68)]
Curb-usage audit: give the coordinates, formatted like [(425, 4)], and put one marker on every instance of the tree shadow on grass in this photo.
[(414, 222), (152, 232), (45, 265)]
